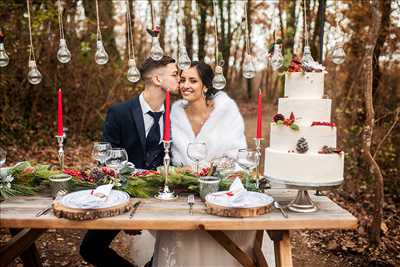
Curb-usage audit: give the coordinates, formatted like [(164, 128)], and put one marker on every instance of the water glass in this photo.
[(99, 151), (197, 152), (247, 159), (117, 158), (3, 156)]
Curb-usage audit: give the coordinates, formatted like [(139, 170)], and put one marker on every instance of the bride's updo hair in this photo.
[(206, 74)]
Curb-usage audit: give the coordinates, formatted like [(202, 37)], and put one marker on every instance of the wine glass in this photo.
[(197, 152), (117, 158), (3, 156), (247, 159), (99, 151)]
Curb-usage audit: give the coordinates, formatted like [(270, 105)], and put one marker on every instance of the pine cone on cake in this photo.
[(329, 150), (278, 117), (302, 145)]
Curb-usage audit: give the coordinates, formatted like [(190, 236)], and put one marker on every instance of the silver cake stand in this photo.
[(303, 202)]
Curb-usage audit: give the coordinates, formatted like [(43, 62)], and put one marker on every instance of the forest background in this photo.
[(365, 89)]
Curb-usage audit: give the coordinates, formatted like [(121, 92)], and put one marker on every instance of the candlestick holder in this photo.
[(166, 193), (60, 141), (258, 150)]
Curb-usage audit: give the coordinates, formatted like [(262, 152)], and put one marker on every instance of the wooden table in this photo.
[(154, 214)]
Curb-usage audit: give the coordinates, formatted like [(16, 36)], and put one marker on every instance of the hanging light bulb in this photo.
[(101, 55), (183, 59), (338, 54), (277, 58), (63, 54), (3, 54), (249, 70), (34, 75), (307, 59), (156, 52), (219, 81), (133, 72)]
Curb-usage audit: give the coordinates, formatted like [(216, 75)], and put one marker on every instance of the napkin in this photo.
[(97, 197), (237, 194)]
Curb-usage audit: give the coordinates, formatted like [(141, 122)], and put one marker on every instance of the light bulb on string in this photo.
[(156, 52), (63, 53), (183, 59), (307, 59), (34, 75), (4, 59), (338, 54), (249, 70), (219, 81), (133, 72), (101, 56), (277, 58)]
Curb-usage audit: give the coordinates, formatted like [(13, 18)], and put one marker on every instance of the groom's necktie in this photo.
[(153, 137), (154, 151)]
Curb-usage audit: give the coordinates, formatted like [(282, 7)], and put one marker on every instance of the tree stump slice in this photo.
[(62, 211), (224, 211)]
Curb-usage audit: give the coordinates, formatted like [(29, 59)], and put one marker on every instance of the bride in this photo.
[(203, 115)]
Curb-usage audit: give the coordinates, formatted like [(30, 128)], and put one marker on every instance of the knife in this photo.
[(134, 208)]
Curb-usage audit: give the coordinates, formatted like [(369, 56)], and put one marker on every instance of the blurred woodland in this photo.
[(365, 89)]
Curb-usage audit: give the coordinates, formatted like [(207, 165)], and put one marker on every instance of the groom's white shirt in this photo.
[(223, 131), (148, 120)]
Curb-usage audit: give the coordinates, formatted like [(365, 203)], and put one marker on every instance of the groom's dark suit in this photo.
[(124, 128)]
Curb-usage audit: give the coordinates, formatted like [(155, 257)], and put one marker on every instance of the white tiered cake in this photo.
[(303, 140)]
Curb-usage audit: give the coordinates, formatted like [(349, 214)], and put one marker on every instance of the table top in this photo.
[(19, 212)]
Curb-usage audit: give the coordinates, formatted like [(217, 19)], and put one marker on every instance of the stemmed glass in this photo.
[(247, 159), (99, 151), (117, 158), (197, 152), (3, 156)]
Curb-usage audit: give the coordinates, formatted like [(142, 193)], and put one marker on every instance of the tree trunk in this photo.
[(249, 81), (316, 38), (163, 17), (187, 22), (375, 232), (201, 28), (290, 31)]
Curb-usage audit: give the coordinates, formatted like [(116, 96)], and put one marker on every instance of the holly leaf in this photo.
[(294, 127)]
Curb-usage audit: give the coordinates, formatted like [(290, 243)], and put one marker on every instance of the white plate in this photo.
[(84, 200), (253, 200)]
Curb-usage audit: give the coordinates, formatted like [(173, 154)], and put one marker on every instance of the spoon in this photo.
[(278, 206)]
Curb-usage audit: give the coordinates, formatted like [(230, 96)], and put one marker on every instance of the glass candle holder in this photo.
[(208, 184)]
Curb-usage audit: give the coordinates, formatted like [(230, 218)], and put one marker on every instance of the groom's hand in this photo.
[(133, 232)]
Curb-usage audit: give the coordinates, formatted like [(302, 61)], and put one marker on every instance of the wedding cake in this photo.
[(303, 139)]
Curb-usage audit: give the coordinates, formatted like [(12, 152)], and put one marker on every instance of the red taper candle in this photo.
[(59, 114), (259, 115), (167, 119)]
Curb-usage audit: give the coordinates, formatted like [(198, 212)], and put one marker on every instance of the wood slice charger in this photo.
[(217, 205), (62, 211)]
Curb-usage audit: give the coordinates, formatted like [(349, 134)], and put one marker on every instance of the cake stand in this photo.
[(303, 202)]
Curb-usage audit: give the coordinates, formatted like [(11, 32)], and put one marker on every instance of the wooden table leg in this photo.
[(232, 248), (23, 245), (282, 246)]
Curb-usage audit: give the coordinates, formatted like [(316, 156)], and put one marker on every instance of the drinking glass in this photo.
[(3, 156), (99, 151), (197, 152), (117, 158), (247, 159)]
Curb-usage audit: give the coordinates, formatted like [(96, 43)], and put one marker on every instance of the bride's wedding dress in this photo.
[(223, 131)]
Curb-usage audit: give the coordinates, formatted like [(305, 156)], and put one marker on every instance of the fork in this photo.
[(44, 211), (190, 201)]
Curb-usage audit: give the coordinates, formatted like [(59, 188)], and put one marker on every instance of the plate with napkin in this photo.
[(101, 197), (238, 197)]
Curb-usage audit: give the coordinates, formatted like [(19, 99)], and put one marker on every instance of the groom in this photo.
[(137, 126)]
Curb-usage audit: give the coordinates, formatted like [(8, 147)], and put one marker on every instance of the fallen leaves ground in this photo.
[(310, 248)]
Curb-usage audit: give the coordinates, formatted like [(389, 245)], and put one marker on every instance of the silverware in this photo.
[(134, 208), (44, 211), (190, 201), (278, 206)]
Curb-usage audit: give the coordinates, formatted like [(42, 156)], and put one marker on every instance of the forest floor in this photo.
[(327, 248)]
